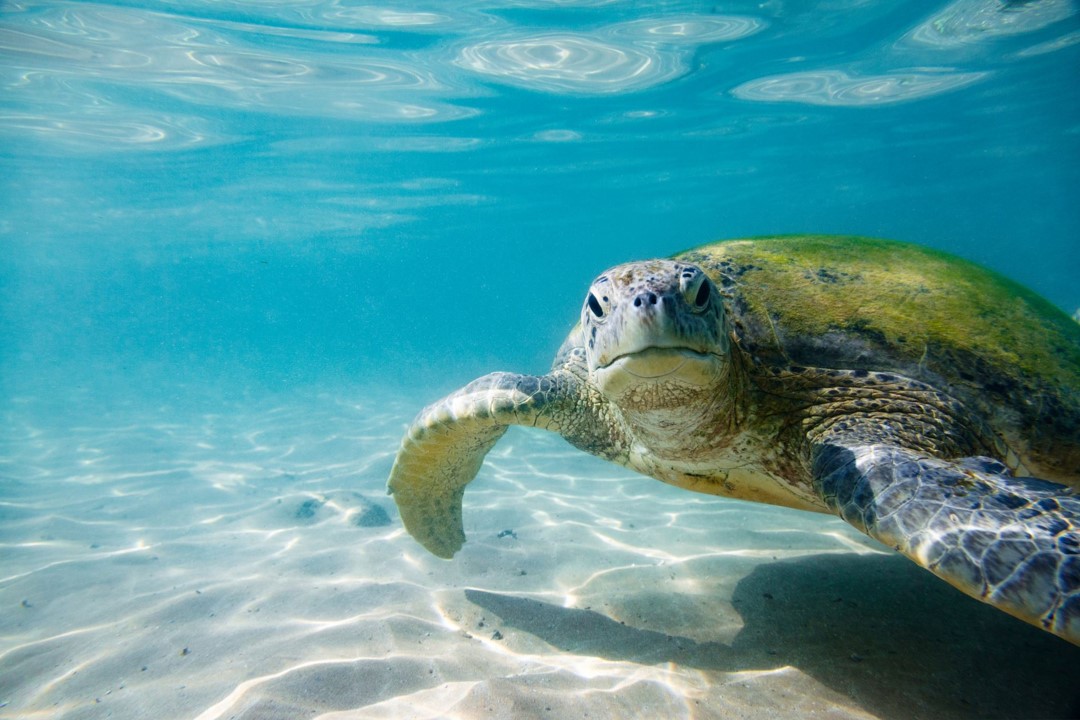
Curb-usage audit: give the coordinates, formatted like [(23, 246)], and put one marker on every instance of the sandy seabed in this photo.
[(243, 561)]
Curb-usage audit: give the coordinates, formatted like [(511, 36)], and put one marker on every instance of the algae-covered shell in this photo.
[(858, 303)]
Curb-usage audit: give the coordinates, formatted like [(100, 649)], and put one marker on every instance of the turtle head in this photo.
[(654, 329)]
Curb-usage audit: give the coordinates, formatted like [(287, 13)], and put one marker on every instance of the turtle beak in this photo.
[(659, 365)]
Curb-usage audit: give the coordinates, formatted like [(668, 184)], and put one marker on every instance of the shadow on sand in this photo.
[(878, 629)]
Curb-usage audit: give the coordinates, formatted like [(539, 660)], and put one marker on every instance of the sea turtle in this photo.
[(930, 403)]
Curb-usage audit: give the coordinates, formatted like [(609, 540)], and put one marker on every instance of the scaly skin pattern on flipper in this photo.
[(446, 444), (1012, 542), (901, 461)]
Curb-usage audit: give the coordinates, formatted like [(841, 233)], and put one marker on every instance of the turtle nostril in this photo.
[(650, 298)]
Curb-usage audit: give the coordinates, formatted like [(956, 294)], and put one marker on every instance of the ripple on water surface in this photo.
[(570, 62), (626, 57), (976, 21), (103, 74), (837, 87), (698, 29)]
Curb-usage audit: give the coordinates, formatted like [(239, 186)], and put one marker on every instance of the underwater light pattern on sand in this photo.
[(243, 562)]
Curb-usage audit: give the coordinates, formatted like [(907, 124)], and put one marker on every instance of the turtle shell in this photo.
[(864, 304)]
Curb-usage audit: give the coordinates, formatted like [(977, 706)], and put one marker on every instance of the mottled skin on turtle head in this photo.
[(657, 349), (909, 392), (647, 305)]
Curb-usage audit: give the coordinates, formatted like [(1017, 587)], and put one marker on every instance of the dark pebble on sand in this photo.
[(496, 635), (372, 516), (508, 533), (307, 509)]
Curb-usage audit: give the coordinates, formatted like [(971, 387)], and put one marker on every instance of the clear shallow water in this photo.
[(283, 192), (244, 242)]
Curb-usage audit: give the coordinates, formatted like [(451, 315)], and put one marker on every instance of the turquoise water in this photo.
[(243, 242), (286, 192)]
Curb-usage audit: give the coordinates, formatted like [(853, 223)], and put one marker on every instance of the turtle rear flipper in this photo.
[(1009, 541), (445, 447)]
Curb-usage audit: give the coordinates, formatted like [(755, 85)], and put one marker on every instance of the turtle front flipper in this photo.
[(446, 444), (1009, 541)]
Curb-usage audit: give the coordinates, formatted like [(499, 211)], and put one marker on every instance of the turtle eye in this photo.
[(594, 306), (703, 294), (696, 288)]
